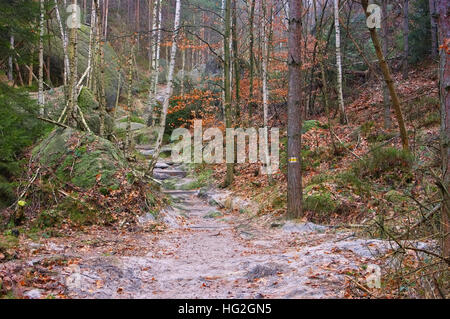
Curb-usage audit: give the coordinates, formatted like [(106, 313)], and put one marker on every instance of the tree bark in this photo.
[(434, 34), (72, 91), (385, 32), (10, 60), (155, 75), (169, 89), (405, 38), (389, 81), (236, 67), (41, 59), (252, 55), (443, 11), (295, 192), (129, 103), (227, 85), (343, 116)]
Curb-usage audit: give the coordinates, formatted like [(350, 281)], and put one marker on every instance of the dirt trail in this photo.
[(206, 254), (203, 255)]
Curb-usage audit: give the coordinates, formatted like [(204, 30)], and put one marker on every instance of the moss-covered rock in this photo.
[(80, 158)]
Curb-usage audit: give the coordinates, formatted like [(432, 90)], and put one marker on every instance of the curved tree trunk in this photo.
[(389, 81)]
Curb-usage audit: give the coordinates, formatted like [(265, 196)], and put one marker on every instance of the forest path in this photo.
[(205, 253)]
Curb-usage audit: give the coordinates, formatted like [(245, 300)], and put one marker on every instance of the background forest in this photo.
[(86, 115)]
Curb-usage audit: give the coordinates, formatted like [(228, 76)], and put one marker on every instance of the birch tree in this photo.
[(41, 59), (295, 193), (155, 74), (169, 88), (343, 116), (64, 44)]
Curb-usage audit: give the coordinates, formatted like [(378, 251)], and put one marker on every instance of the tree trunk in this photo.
[(405, 38), (10, 60), (150, 34), (169, 89), (252, 55), (105, 25), (155, 75), (389, 81), (385, 32), (227, 85), (443, 11), (295, 193), (265, 62), (73, 61), (41, 60), (343, 116), (91, 44), (129, 103), (183, 66), (64, 45), (236, 68), (434, 34)]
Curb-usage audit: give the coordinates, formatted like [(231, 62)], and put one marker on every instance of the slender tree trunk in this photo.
[(169, 89), (405, 38), (434, 33), (91, 45), (389, 81), (150, 35), (236, 68), (252, 55), (72, 91), (265, 62), (41, 59), (101, 74), (443, 11), (10, 60), (343, 116), (155, 75), (129, 103), (385, 32), (183, 66), (228, 98), (64, 45), (295, 193), (105, 25)]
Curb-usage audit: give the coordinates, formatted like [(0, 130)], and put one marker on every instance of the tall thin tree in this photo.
[(295, 193)]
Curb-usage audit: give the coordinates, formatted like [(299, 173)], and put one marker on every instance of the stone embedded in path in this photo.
[(172, 172), (161, 165), (308, 227)]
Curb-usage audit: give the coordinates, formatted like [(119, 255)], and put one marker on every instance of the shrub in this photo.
[(385, 160), (321, 202)]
